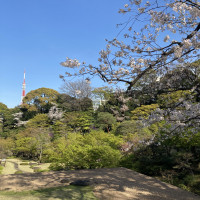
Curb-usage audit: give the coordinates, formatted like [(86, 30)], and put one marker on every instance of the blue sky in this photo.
[(36, 35)]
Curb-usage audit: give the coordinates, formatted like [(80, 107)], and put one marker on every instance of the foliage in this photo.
[(7, 120), (32, 143), (183, 77), (38, 101), (59, 129), (40, 120), (93, 150), (19, 172), (162, 90), (128, 127), (102, 93), (6, 147), (143, 111), (78, 121), (148, 48), (70, 104), (106, 121), (172, 99), (135, 135)]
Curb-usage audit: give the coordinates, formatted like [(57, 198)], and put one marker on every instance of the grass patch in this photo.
[(64, 193), (19, 172), (24, 163), (1, 169)]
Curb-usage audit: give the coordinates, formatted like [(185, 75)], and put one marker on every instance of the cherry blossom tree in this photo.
[(156, 35), (78, 89)]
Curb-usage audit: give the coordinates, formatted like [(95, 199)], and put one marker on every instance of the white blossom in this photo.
[(70, 63), (177, 52), (78, 92), (140, 60), (187, 43), (103, 53), (166, 38), (55, 113)]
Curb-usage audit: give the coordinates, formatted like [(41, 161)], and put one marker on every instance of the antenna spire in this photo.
[(23, 88)]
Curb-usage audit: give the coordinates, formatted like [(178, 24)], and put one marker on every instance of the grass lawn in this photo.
[(1, 169), (14, 165), (67, 192)]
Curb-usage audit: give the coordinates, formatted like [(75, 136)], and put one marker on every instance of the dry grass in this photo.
[(109, 184)]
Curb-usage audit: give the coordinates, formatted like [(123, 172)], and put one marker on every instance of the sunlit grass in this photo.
[(64, 193)]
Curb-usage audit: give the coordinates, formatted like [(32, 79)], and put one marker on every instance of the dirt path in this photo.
[(109, 184)]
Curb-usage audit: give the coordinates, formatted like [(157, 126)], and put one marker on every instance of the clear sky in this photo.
[(36, 35)]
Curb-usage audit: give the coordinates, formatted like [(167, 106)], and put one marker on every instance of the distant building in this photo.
[(97, 103)]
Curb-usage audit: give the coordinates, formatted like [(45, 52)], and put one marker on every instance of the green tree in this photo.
[(78, 121), (25, 144), (7, 119), (71, 104), (38, 101), (32, 142), (94, 150), (6, 147), (40, 120), (102, 93), (106, 121), (173, 99), (143, 111), (59, 129)]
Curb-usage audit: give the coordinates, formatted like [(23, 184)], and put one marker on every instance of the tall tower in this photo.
[(23, 89)]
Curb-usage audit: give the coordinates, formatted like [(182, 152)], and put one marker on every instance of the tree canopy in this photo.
[(168, 33), (39, 100)]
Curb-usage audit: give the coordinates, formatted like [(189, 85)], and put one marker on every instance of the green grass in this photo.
[(1, 169), (64, 193)]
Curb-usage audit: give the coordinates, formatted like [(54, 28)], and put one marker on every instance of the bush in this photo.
[(94, 150), (143, 111), (19, 172), (128, 127), (106, 121), (24, 163)]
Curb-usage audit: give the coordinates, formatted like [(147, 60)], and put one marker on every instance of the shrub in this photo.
[(127, 127), (24, 163), (106, 121), (19, 172), (143, 111), (94, 150)]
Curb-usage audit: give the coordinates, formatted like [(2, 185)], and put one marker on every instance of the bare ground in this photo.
[(109, 184)]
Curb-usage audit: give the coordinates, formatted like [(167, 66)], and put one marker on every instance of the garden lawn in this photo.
[(67, 192)]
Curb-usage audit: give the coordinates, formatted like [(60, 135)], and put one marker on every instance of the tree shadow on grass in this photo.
[(65, 193), (61, 193), (113, 183)]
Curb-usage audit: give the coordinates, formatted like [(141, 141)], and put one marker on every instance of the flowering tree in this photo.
[(78, 89), (157, 34)]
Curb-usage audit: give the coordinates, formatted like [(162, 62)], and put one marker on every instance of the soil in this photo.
[(109, 184)]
